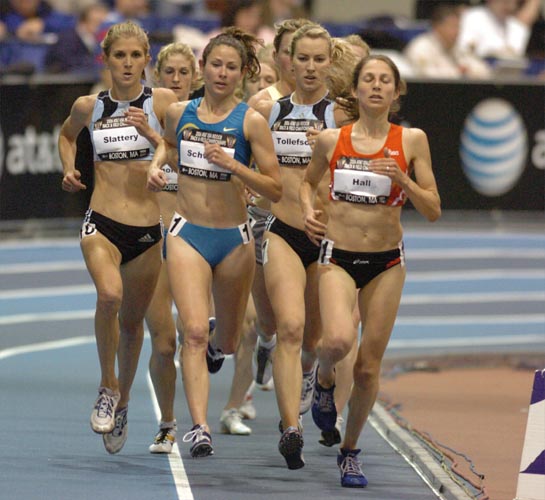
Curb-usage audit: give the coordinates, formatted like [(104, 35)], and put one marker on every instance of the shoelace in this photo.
[(326, 402), (234, 414), (308, 382), (162, 435), (104, 406), (351, 466), (215, 354), (194, 435), (120, 422)]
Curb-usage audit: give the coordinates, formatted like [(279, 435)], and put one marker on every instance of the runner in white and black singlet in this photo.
[(121, 234)]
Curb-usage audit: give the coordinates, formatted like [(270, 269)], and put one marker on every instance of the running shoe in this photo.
[(102, 418), (307, 389), (291, 448), (299, 425), (351, 474), (247, 409), (324, 412), (231, 423), (214, 357), (262, 362), (164, 439), (211, 324), (331, 438), (115, 440), (201, 442)]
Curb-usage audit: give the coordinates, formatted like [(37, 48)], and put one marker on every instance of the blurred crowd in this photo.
[(473, 39)]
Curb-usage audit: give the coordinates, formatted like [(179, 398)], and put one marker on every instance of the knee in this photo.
[(290, 333), (164, 346), (108, 301), (366, 374), (195, 336), (336, 346)]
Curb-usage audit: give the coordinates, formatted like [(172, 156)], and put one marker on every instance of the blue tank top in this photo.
[(112, 139), (192, 133)]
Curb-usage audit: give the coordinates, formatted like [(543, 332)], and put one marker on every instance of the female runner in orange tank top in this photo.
[(372, 163)]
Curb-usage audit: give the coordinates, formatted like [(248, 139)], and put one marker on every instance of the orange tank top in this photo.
[(351, 179)]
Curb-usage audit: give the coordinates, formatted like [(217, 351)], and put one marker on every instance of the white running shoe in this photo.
[(231, 423), (115, 440), (262, 362), (247, 409), (102, 418), (164, 439), (307, 389)]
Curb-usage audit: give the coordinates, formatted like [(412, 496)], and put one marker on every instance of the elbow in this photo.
[(276, 193), (435, 214)]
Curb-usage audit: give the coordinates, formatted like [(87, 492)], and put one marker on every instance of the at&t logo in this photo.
[(494, 147)]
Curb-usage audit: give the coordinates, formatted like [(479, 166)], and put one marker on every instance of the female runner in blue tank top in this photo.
[(207, 241)]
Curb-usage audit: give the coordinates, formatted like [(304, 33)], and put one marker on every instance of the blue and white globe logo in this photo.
[(493, 147)]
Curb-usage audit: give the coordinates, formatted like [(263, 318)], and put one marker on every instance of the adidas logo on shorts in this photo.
[(146, 239)]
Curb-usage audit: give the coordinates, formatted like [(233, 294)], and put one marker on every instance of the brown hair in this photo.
[(400, 84), (244, 43), (351, 106)]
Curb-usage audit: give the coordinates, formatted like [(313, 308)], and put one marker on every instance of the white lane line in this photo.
[(41, 242), (475, 275), (495, 340), (43, 267), (470, 297), (46, 346), (407, 299), (475, 253), (14, 319), (473, 319), (412, 254), (475, 234), (512, 319), (50, 291), (181, 481)]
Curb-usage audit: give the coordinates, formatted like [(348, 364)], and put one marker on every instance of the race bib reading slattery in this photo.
[(114, 140)]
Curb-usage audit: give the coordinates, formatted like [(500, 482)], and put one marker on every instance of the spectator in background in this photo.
[(75, 49), (435, 54), (275, 11), (423, 9), (248, 16), (137, 11), (499, 28), (31, 20)]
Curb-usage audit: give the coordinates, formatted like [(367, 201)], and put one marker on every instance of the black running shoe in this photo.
[(214, 359), (291, 448), (330, 438)]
